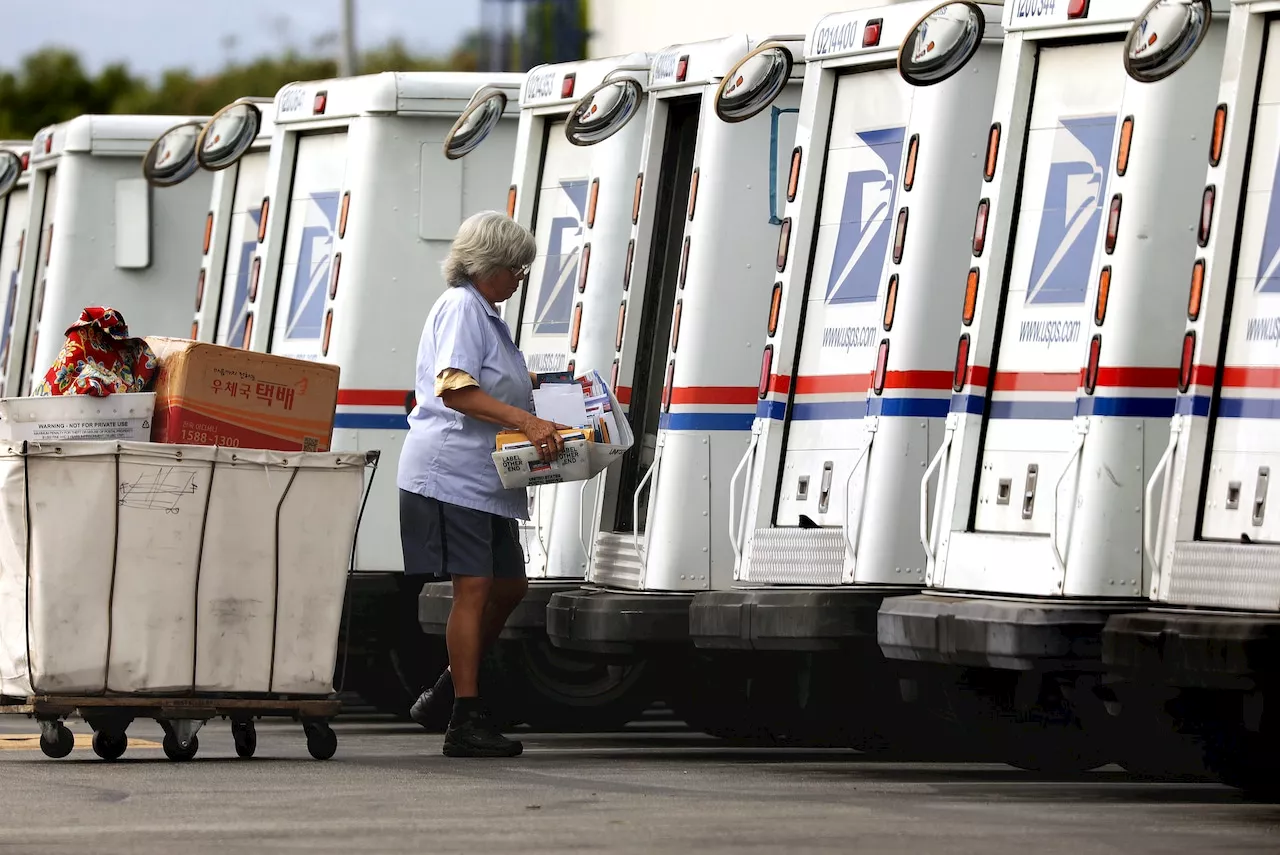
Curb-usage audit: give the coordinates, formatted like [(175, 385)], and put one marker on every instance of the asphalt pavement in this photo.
[(651, 789)]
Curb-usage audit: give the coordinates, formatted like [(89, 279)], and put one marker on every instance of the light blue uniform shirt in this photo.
[(448, 456)]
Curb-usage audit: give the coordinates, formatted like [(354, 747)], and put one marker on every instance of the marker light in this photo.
[(208, 231), (980, 227), (766, 367), (262, 218), (793, 180), (195, 330), (1219, 134), (1113, 224), (572, 366), (591, 203), (682, 68), (322, 101), (693, 191), (26, 160), (576, 329), (912, 151), (1091, 369), (200, 290), (970, 297), (962, 363), (882, 363), (622, 323), (1188, 354), (675, 326), (1126, 140), (1104, 293), (684, 262), (993, 153), (1206, 215), (567, 84), (775, 308), (1078, 8), (511, 201), (248, 331), (900, 236), (891, 303), (613, 377), (667, 386), (342, 214), (328, 331), (337, 271), (1197, 290), (253, 278), (583, 265), (784, 243), (626, 270), (635, 199), (871, 32)]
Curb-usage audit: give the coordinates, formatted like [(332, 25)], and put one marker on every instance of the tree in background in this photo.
[(52, 85)]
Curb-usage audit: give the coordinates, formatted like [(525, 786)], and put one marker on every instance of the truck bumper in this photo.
[(799, 619), (617, 622), (528, 620), (1190, 649)]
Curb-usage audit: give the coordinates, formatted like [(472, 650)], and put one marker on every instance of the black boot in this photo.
[(432, 708), (472, 734)]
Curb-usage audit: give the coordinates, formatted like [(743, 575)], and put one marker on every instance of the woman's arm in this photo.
[(474, 402)]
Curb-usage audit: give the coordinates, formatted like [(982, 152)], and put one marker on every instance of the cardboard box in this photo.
[(581, 459), (51, 418), (212, 395)]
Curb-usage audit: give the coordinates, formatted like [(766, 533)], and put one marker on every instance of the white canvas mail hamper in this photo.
[(148, 568)]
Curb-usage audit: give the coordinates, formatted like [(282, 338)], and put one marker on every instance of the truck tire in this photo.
[(550, 689)]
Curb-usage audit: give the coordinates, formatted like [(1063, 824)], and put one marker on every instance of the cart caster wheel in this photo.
[(322, 742), (56, 740), (108, 745), (246, 738), (176, 752)]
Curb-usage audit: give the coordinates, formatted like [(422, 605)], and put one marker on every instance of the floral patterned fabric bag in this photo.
[(100, 358)]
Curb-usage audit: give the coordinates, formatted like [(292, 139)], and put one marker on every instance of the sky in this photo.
[(154, 35)]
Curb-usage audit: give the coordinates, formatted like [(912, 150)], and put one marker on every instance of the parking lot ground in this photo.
[(651, 789)]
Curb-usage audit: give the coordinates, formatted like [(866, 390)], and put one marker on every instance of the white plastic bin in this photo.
[(125, 417), (148, 568)]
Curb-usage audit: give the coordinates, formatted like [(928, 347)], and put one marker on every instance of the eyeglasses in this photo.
[(521, 271)]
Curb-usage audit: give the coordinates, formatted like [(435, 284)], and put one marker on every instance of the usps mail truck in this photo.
[(705, 217), (577, 154), (98, 234), (1203, 662), (15, 198), (360, 205), (235, 145), (1066, 362), (855, 380)]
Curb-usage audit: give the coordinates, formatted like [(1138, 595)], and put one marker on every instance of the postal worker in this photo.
[(457, 521)]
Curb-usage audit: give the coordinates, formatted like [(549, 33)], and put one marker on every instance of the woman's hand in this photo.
[(544, 436)]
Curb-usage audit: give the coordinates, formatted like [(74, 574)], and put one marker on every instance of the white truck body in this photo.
[(118, 241), (361, 205)]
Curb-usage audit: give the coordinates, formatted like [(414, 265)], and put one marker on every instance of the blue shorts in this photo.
[(444, 540)]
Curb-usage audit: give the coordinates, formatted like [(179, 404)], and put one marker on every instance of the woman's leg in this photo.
[(466, 633), (505, 595)]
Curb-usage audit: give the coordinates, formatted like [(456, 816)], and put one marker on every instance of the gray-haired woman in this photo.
[(456, 519)]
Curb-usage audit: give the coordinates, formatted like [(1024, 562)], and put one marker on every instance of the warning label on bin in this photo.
[(128, 430)]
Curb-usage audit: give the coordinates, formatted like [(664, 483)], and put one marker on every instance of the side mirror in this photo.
[(228, 135), (10, 172), (172, 157), (604, 111), (1165, 37), (476, 122), (941, 43), (754, 83)]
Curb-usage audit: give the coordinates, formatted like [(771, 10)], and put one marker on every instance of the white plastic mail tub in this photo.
[(125, 416), (148, 568)]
